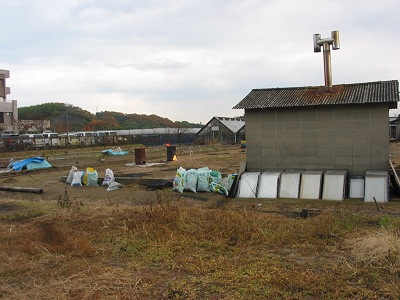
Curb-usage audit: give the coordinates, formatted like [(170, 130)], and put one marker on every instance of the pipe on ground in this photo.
[(21, 189)]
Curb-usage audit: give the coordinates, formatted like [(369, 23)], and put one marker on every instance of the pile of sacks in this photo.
[(90, 177), (202, 180)]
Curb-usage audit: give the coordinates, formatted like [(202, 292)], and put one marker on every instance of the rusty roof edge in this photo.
[(392, 84), (322, 86)]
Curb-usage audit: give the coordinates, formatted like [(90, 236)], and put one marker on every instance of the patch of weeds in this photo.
[(160, 254), (65, 202), (349, 221), (22, 211), (208, 246), (130, 248), (165, 213), (385, 222), (175, 294)]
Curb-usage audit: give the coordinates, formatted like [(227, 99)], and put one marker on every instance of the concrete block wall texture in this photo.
[(3, 93), (9, 110), (352, 137)]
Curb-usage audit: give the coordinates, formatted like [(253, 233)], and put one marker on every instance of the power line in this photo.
[(294, 71)]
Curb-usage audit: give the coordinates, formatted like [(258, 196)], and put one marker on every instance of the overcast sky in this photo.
[(188, 59)]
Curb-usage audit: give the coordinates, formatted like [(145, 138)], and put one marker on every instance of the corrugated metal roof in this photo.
[(233, 124), (356, 93)]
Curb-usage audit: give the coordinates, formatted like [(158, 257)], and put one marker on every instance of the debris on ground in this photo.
[(21, 189), (202, 180), (91, 178), (146, 165), (31, 163), (115, 151)]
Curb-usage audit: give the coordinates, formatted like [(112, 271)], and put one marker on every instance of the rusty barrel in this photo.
[(171, 152), (140, 156)]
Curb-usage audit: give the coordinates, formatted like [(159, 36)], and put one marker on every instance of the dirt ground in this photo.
[(144, 243), (224, 159), (137, 179)]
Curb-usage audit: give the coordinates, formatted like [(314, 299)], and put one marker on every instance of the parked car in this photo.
[(108, 136), (52, 139), (33, 141), (85, 138), (10, 141), (68, 140)]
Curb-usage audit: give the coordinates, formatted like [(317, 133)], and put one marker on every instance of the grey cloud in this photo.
[(203, 54)]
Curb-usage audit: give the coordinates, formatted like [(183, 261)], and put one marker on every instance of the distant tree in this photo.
[(60, 127), (39, 125), (78, 119), (100, 125), (186, 124), (19, 125)]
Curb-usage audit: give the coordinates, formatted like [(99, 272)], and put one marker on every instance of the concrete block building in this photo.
[(343, 127), (8, 109)]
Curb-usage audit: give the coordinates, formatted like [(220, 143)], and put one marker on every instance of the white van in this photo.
[(85, 138), (109, 137), (52, 139), (68, 140)]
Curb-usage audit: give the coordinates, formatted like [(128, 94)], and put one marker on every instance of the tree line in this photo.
[(72, 118)]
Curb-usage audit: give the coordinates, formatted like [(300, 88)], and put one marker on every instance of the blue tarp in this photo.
[(29, 164), (115, 152)]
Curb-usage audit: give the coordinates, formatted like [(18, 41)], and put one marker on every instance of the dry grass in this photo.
[(168, 250), (379, 249), (163, 245)]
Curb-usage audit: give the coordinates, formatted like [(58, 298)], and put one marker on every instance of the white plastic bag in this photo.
[(77, 179), (113, 186), (108, 177), (71, 175)]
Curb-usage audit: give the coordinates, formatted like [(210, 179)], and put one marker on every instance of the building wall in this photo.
[(397, 131), (9, 111), (351, 137)]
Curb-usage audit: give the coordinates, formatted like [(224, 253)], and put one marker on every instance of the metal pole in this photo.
[(67, 121), (67, 105), (326, 45), (327, 66)]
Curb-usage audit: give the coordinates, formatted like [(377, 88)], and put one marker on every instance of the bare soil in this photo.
[(144, 243), (224, 159)]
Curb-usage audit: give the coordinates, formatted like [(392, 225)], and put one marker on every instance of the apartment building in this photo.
[(8, 109)]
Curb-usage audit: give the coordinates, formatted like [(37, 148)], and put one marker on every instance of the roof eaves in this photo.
[(358, 93)]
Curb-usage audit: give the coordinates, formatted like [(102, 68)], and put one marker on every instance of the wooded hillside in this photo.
[(79, 119)]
